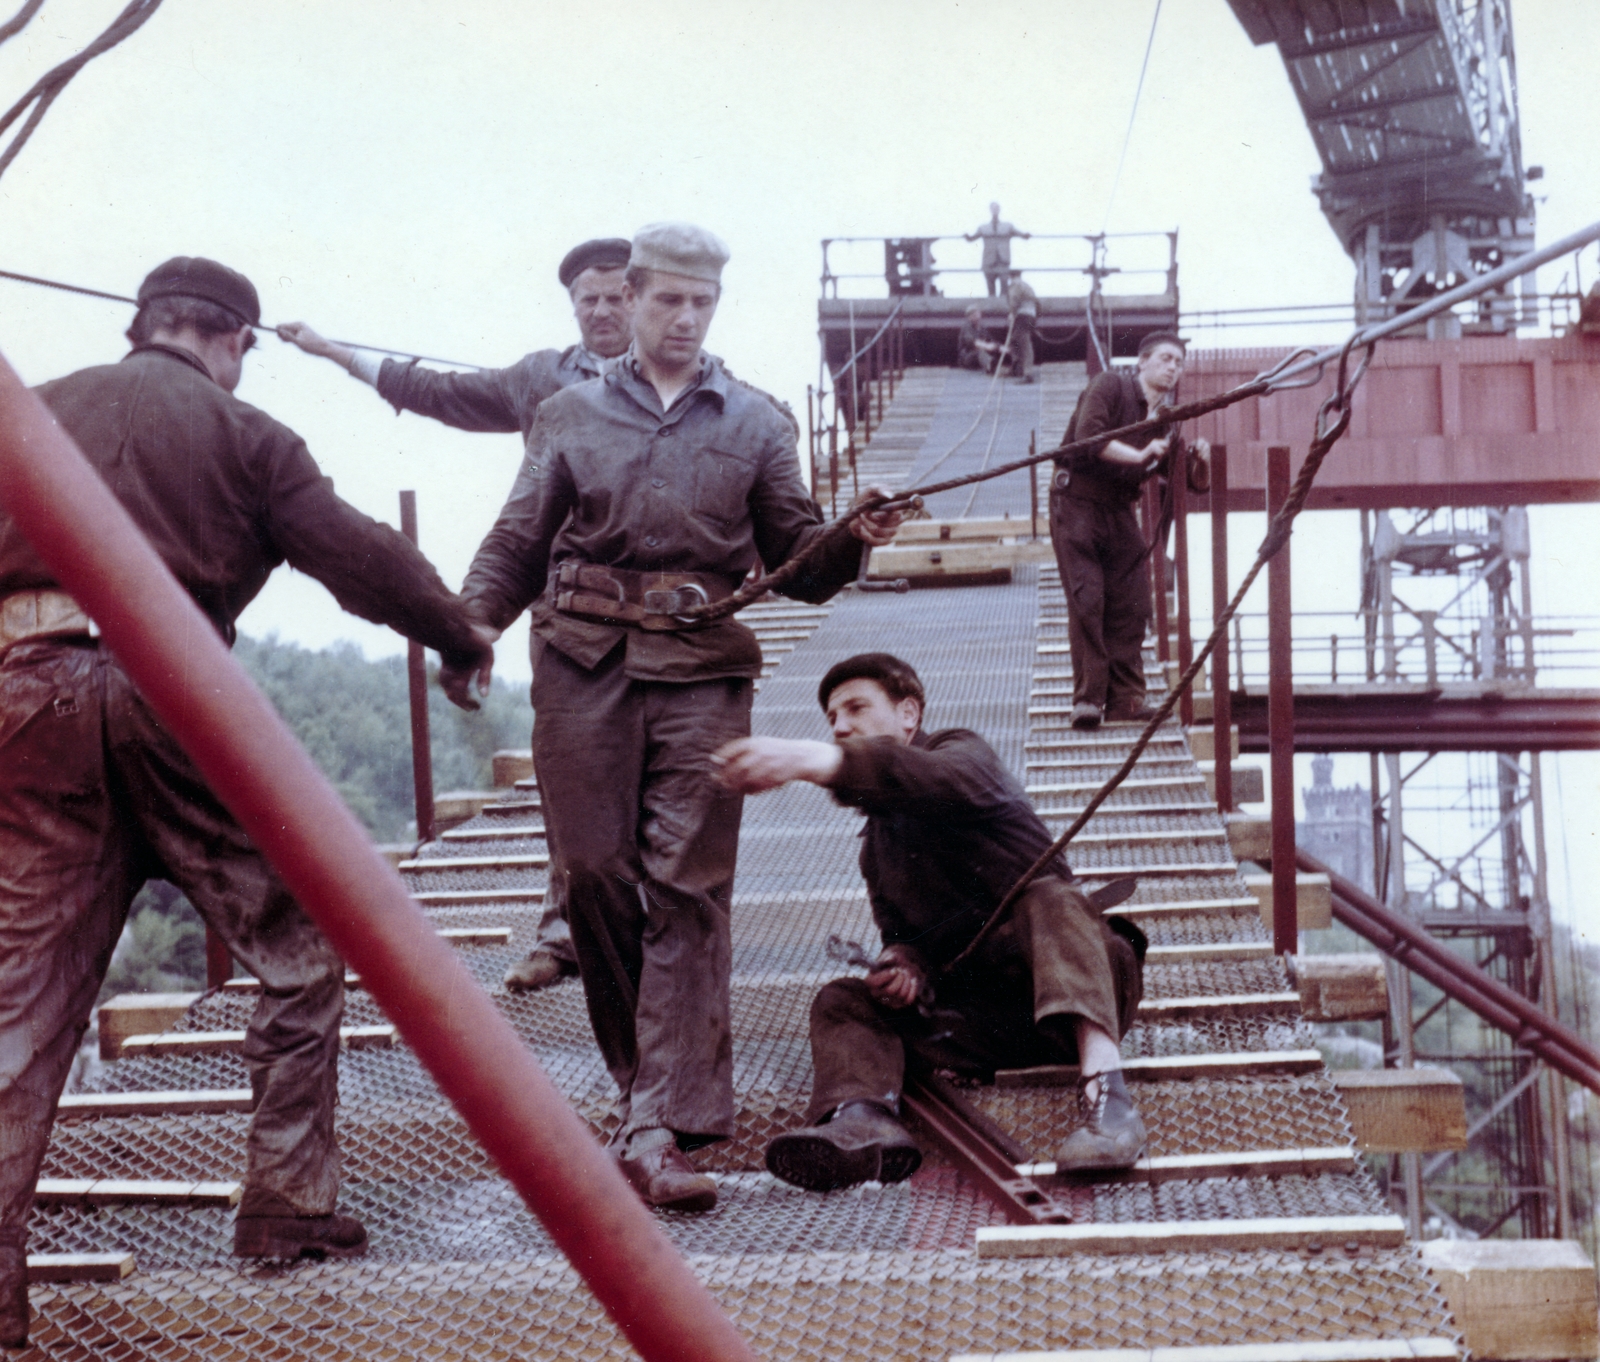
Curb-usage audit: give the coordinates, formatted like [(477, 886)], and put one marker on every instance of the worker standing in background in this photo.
[(996, 237), (505, 400), (1023, 305)]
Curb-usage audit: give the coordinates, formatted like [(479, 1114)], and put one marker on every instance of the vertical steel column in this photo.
[(1180, 554), (1280, 719), (417, 682), (1033, 485), (1560, 1145), (1400, 982), (250, 760), (1221, 697), (1158, 566)]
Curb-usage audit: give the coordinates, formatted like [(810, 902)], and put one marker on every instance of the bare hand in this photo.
[(457, 681), (896, 980), (877, 528), (752, 765), (298, 333)]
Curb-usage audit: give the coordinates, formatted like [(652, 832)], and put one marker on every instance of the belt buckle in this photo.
[(672, 603)]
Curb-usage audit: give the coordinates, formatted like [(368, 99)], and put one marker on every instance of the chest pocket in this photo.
[(722, 484)]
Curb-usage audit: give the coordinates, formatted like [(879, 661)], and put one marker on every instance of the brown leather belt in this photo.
[(41, 614), (649, 600)]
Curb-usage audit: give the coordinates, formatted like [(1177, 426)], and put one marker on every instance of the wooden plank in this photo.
[(135, 1192), (1208, 951), (1192, 1236), (1249, 785), (1203, 742), (476, 936), (1313, 900), (1196, 1167), (1250, 836), (1181, 906), (1090, 786), (1400, 1111), (1342, 987), (79, 1267), (516, 830), (457, 806), (1228, 1005), (1352, 1350), (230, 1042), (205, 1101), (1239, 1064), (535, 860), (138, 1014), (467, 898), (1518, 1298), (510, 765)]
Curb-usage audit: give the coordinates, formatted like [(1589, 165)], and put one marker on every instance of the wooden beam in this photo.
[(1192, 1236), (1208, 951), (535, 860), (200, 1101), (1240, 1064), (1314, 900), (1249, 785), (1229, 1005), (231, 1042), (133, 1192), (1518, 1298), (509, 766), (1203, 742), (1336, 988), (1402, 1111), (1268, 1163), (1345, 1350), (79, 1267), (137, 1014), (1250, 836), (470, 898)]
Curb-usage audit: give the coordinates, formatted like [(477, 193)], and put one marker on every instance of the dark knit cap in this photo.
[(193, 276), (606, 253), (898, 679), (1156, 338)]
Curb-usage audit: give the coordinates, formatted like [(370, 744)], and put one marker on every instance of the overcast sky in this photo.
[(409, 174)]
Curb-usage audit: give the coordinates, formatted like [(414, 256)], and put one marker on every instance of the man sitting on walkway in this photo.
[(949, 830)]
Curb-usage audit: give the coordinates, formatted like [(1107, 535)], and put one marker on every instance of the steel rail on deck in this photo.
[(1529, 1025), (254, 765)]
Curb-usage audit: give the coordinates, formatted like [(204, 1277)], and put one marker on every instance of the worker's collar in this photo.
[(172, 352), (709, 378)]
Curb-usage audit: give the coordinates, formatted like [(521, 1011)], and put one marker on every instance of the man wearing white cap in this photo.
[(655, 487)]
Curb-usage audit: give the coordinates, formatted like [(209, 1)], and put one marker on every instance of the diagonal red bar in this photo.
[(255, 766)]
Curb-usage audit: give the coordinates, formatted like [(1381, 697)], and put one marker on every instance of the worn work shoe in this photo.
[(299, 1236), (1134, 714), (665, 1179), (539, 970), (1085, 715), (1112, 1135), (13, 1297), (863, 1142)]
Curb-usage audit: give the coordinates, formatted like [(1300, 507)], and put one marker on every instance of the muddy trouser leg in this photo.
[(554, 936), (1022, 345), (648, 841), (1074, 524), (1126, 577), (856, 1049), (1080, 967), (291, 1046), (67, 854)]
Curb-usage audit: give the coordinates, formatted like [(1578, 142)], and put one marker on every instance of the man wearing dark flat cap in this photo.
[(96, 796), (506, 400), (657, 486)]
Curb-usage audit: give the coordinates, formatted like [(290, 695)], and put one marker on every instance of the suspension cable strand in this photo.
[(42, 94), (1127, 136), (19, 20)]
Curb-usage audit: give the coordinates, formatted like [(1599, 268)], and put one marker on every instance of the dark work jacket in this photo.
[(224, 494), (502, 400), (949, 831), (1110, 401), (609, 478)]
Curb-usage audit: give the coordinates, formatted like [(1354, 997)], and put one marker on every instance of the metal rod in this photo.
[(243, 750), (1180, 554), (417, 684), (1158, 567), (1280, 719), (1033, 488), (1221, 699)]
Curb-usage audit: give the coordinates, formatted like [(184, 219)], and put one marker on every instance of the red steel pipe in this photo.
[(247, 755), (1221, 697), (1280, 720)]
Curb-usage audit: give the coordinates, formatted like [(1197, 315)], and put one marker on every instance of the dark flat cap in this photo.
[(606, 253), (193, 276)]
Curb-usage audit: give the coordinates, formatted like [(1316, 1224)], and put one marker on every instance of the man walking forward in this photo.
[(643, 493)]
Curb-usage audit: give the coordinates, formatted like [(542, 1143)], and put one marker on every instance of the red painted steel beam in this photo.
[(417, 690), (252, 762), (1280, 719), (1558, 721), (1524, 1021), (1221, 696)]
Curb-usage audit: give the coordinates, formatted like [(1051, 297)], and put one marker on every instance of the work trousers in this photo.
[(646, 839), (1020, 352), (1105, 574), (96, 798), (1053, 957)]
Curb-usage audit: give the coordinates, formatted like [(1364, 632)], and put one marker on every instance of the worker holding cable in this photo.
[(96, 796), (1094, 527), (507, 400), (949, 832)]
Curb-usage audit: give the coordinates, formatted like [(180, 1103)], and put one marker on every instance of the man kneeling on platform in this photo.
[(949, 831)]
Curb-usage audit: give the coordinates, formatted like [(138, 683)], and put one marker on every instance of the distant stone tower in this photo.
[(1338, 825)]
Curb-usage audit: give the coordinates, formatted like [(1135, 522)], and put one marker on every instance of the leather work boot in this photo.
[(299, 1236), (539, 970), (1112, 1134), (13, 1297), (1085, 715), (1134, 714), (664, 1178), (862, 1142)]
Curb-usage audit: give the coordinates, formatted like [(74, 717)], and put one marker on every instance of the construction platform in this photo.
[(1253, 1222)]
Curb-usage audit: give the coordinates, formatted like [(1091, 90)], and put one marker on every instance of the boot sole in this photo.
[(819, 1165), (272, 1246), (692, 1204)]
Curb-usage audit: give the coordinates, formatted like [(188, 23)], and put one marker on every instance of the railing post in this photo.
[(417, 681), (1221, 697), (1280, 719), (1180, 554), (833, 458)]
